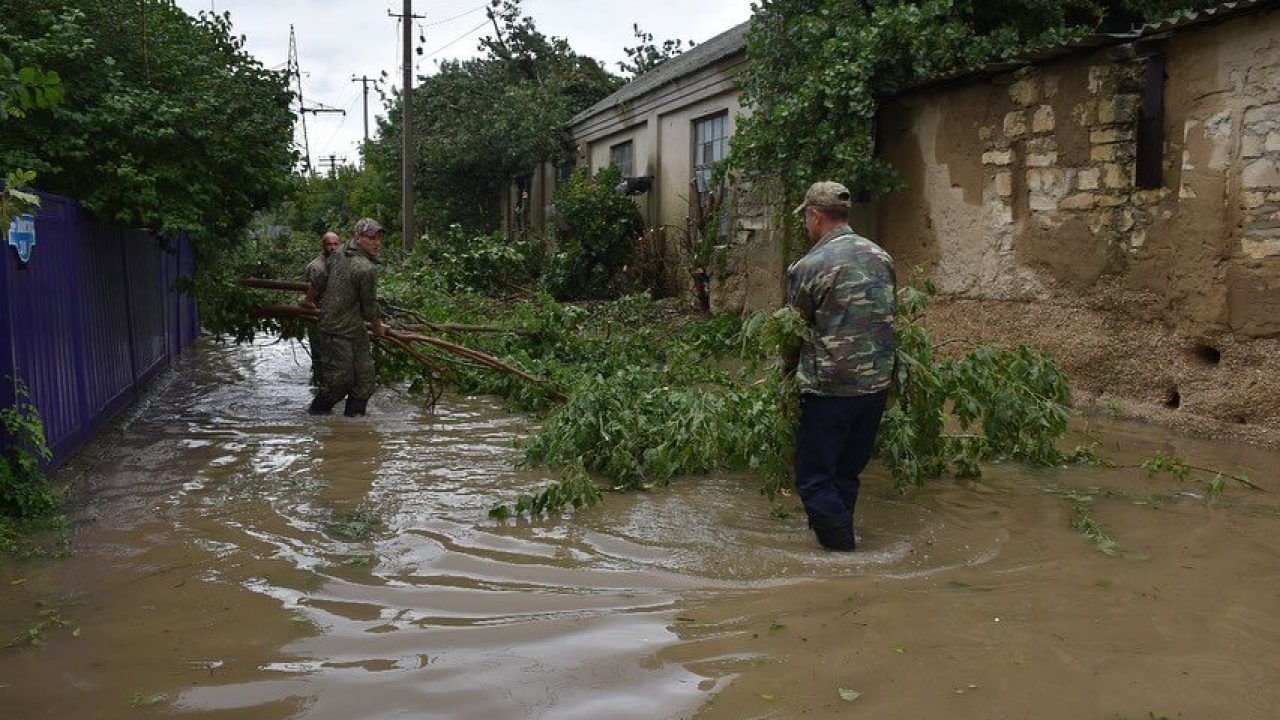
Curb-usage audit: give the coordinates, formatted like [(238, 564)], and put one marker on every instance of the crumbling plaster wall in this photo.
[(1023, 206)]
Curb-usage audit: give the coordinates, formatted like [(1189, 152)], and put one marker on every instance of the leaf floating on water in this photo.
[(75, 633), (849, 695), (900, 648), (19, 581), (766, 696), (139, 700)]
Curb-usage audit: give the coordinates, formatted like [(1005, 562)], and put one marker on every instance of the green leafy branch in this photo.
[(1177, 467)]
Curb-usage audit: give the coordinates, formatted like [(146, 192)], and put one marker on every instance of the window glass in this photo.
[(620, 155), (710, 146)]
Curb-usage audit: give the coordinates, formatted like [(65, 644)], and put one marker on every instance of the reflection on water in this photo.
[(242, 559)]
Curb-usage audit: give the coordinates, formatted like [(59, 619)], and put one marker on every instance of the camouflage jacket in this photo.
[(844, 288), (349, 292), (314, 270)]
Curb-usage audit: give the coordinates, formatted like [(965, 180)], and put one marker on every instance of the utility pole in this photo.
[(364, 80), (406, 124)]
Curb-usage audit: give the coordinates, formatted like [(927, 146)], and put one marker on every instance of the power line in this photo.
[(328, 142), (456, 40), (475, 9)]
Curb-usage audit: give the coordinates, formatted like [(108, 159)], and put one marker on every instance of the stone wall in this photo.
[(748, 271), (1024, 206)]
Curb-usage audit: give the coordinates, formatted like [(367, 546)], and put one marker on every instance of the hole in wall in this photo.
[(1172, 398), (1207, 354)]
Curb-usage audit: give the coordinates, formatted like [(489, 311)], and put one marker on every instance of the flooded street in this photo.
[(237, 558)]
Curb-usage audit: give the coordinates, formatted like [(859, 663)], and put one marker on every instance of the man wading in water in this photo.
[(844, 289), (349, 298), (315, 269)]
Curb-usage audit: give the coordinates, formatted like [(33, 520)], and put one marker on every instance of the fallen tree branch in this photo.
[(435, 392), (421, 324), (286, 311), (404, 339), (478, 357), (265, 284), (463, 328)]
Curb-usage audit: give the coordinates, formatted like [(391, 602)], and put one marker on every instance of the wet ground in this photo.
[(236, 558)]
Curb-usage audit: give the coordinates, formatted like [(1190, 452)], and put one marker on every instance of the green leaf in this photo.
[(849, 695)]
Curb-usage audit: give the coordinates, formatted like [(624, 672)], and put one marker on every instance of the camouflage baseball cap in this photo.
[(825, 194), (367, 227)]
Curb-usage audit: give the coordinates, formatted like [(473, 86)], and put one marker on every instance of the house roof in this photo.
[(727, 43), (734, 40)]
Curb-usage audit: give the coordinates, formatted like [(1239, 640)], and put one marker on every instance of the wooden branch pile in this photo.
[(408, 338)]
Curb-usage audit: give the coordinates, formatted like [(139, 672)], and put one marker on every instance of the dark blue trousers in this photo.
[(834, 441)]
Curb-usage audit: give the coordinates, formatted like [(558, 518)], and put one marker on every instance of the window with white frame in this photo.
[(621, 156), (710, 146)]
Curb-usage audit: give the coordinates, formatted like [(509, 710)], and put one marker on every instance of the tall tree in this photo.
[(645, 56), (485, 121), (167, 121)]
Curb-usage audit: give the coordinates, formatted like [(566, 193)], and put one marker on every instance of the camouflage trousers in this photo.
[(346, 368), (315, 341)]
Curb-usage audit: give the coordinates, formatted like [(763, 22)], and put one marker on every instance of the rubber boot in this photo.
[(834, 533), (355, 407), (319, 407)]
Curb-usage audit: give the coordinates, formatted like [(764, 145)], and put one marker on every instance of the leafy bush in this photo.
[(598, 230), (167, 121), (485, 264), (25, 494)]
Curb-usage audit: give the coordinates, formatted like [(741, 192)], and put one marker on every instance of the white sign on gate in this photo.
[(22, 236)]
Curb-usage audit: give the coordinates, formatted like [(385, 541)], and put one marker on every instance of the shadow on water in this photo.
[(244, 560)]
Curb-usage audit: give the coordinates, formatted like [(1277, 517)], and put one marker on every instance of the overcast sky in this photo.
[(341, 38)]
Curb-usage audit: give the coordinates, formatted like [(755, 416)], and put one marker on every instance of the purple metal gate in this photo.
[(91, 319)]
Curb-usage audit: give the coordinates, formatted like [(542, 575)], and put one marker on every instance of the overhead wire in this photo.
[(459, 15), (346, 115), (457, 40)]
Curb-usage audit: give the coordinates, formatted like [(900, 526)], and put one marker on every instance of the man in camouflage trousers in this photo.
[(348, 291), (315, 269), (845, 290)]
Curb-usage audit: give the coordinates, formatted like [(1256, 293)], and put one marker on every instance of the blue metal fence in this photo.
[(91, 319)]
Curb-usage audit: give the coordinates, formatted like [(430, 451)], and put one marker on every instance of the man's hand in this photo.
[(309, 300), (379, 329)]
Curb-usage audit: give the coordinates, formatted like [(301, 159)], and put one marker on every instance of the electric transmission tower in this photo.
[(295, 70)]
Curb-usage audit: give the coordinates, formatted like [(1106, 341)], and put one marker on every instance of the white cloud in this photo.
[(341, 38)]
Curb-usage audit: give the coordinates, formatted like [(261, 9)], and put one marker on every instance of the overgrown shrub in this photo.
[(486, 264), (25, 493), (598, 229)]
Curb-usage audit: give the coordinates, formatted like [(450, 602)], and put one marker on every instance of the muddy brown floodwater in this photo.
[(236, 558)]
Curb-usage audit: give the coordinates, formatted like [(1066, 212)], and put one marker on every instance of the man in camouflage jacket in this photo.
[(348, 290), (314, 271), (844, 288)]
